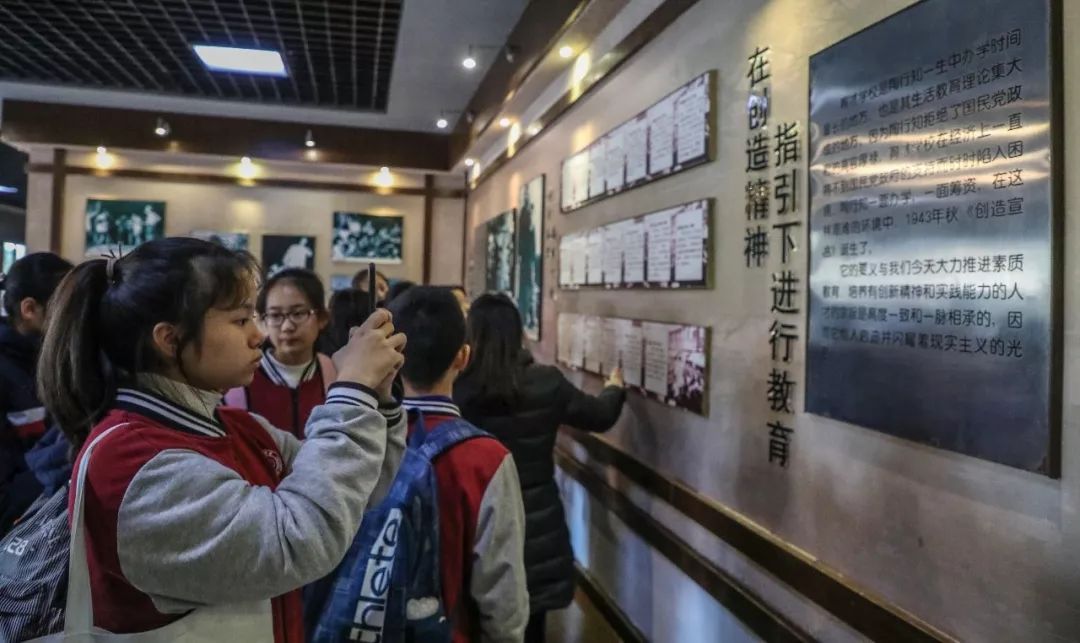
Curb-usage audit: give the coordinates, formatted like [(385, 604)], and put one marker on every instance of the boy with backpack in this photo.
[(442, 557)]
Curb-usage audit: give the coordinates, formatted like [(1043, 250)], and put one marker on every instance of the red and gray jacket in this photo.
[(481, 532), (287, 408), (188, 508)]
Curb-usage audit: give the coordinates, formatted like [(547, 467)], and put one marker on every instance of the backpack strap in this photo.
[(448, 434)]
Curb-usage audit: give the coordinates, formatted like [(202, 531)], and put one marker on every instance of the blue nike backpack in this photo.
[(387, 589)]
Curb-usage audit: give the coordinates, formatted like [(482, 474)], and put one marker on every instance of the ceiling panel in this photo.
[(339, 53)]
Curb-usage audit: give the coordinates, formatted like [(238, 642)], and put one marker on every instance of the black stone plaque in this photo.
[(933, 270)]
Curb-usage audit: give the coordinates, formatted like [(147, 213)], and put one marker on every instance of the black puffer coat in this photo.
[(547, 400)]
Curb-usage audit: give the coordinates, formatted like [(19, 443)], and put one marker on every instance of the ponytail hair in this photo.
[(76, 379), (99, 329)]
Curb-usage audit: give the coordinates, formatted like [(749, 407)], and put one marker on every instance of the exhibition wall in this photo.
[(960, 546)]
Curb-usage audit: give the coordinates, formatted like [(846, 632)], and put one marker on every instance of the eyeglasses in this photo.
[(297, 317)]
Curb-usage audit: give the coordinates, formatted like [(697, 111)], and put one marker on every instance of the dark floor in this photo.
[(579, 623)]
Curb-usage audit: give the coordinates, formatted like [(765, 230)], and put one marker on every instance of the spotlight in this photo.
[(103, 159), (504, 122), (162, 129), (469, 62), (247, 169), (566, 51), (441, 123), (384, 178), (534, 129), (469, 162), (309, 140)]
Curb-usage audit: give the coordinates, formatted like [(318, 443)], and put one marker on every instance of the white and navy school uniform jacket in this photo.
[(188, 505)]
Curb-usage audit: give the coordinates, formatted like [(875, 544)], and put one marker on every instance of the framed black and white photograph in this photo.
[(280, 251), (529, 255), (118, 226), (686, 363), (499, 271), (667, 363), (367, 237), (340, 282), (230, 240)]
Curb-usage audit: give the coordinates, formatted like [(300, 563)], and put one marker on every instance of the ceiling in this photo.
[(390, 64)]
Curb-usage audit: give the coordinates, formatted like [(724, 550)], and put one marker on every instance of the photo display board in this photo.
[(364, 238), (934, 227), (230, 240), (668, 363), (673, 135), (666, 249), (499, 240), (116, 227), (529, 256), (281, 251)]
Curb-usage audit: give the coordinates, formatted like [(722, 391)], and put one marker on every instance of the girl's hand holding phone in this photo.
[(374, 352)]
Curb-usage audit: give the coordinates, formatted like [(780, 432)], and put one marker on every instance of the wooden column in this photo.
[(429, 214), (56, 218)]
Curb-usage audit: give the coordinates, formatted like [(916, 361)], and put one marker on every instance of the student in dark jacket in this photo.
[(27, 288), (504, 392)]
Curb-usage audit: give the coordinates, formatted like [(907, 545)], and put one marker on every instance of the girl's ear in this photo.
[(461, 360), (323, 318), (166, 340)]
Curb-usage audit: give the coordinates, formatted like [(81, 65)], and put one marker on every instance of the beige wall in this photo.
[(982, 551), (446, 241)]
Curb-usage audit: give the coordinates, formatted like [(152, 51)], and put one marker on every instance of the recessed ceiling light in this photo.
[(566, 51), (441, 123), (246, 160), (469, 62), (309, 139), (534, 129), (504, 122), (469, 162), (265, 62), (162, 128), (101, 150)]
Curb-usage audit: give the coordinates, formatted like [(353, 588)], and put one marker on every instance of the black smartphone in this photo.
[(372, 297), (397, 387)]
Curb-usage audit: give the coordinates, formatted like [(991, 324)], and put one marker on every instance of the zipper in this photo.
[(296, 409)]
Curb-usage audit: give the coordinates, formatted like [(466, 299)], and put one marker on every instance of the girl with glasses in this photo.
[(293, 376)]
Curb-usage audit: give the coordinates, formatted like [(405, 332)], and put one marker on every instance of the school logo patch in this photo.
[(276, 463)]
